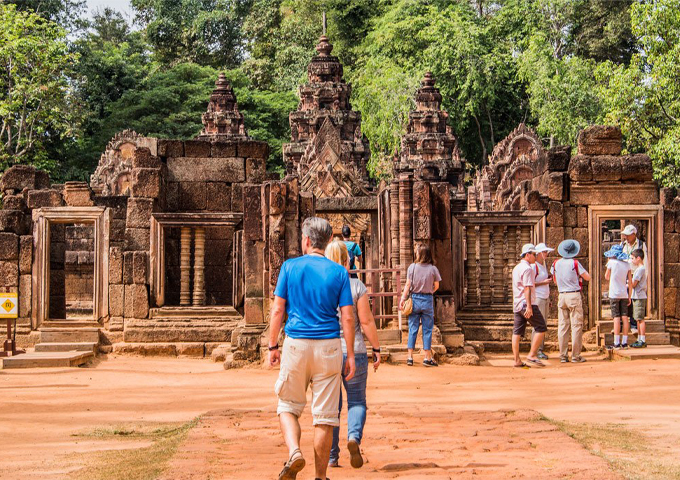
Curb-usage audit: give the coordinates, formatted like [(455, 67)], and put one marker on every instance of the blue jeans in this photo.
[(423, 312), (356, 404)]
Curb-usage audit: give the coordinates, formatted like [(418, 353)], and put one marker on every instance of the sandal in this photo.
[(536, 363), (295, 463), (522, 365)]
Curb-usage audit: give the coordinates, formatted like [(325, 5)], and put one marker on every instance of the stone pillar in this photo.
[(185, 266), (394, 224), (199, 266), (405, 222)]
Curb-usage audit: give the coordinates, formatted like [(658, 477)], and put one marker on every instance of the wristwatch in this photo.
[(275, 347)]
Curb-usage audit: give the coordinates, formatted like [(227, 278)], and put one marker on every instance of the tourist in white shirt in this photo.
[(620, 291), (525, 308), (542, 281), (569, 275), (630, 242), (639, 296)]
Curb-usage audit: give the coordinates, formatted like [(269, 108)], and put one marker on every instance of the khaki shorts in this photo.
[(640, 309), (316, 362)]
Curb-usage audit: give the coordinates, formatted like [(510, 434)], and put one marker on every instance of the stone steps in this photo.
[(47, 359), (67, 347), (181, 313), (69, 334), (176, 330), (653, 326), (650, 338), (650, 353)]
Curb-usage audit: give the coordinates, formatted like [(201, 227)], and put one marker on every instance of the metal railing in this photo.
[(375, 293)]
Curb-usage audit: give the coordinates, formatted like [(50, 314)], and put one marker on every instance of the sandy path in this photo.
[(41, 409)]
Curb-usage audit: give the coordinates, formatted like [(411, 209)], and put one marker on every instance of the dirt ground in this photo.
[(449, 422)]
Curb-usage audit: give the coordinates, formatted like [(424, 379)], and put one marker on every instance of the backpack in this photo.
[(580, 280), (352, 255)]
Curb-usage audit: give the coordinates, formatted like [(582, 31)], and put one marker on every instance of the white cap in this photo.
[(629, 230), (542, 247), (528, 247)]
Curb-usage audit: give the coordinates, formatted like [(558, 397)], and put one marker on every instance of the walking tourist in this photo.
[(525, 308), (353, 249), (639, 296), (569, 274), (620, 290), (355, 387), (542, 280), (310, 289), (422, 280), (631, 241)]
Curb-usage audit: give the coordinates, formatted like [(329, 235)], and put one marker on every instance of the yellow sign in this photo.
[(9, 305)]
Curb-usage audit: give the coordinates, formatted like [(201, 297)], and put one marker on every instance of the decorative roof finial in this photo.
[(324, 24), (324, 48)]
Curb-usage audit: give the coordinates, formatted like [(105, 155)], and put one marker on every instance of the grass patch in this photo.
[(628, 452), (146, 463)]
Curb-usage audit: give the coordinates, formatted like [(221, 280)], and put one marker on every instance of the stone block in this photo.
[(145, 349), (667, 195), (307, 206), (78, 194), (139, 212), (170, 148), (146, 182), (172, 196), (580, 169), (253, 261), (600, 140), (190, 349), (237, 197), (668, 220), (253, 149), (554, 235), (536, 201), (18, 177), (191, 169), (556, 189), (117, 205), (193, 196), (12, 221), (636, 168), (582, 217), (671, 247), (581, 236), (253, 311), (137, 239), (558, 158), (277, 198), (140, 267), (14, 202), (670, 296), (570, 217), (606, 168), (256, 170), (25, 289), (221, 149), (117, 231), (677, 221), (116, 260), (614, 194), (44, 198), (116, 300), (9, 274), (9, 246), (25, 254), (422, 211), (144, 159), (218, 197), (555, 214), (136, 301), (196, 148), (672, 275), (128, 259)]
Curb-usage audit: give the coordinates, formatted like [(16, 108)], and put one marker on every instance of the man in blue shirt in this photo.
[(310, 289)]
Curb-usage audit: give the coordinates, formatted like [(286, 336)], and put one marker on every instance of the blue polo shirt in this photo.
[(313, 288)]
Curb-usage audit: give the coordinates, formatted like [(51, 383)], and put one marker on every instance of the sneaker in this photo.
[(564, 360), (355, 458), (542, 355), (409, 362), (430, 363), (578, 360), (639, 344), (333, 464), (616, 346)]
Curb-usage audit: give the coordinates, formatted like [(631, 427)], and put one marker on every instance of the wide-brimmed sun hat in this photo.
[(569, 248), (629, 230), (527, 248), (542, 247), (616, 252)]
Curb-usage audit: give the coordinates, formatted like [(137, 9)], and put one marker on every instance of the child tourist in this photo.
[(639, 296), (620, 290)]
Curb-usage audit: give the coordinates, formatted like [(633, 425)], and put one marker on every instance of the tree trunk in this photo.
[(481, 139)]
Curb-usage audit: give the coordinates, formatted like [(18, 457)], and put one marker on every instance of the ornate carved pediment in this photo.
[(112, 175)]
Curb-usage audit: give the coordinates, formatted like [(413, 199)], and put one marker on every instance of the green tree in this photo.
[(644, 97), (35, 101), (66, 13), (207, 32)]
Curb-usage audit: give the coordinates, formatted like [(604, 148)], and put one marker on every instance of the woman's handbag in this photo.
[(408, 305)]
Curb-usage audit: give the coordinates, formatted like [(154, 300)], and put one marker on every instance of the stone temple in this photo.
[(174, 246)]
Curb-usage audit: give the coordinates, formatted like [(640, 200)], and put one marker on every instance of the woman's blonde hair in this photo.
[(337, 252)]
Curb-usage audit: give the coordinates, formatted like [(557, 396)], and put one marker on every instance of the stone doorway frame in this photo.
[(43, 218), (599, 213), (161, 221)]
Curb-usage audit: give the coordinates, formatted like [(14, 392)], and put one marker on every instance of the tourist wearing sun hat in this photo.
[(525, 308), (543, 281), (620, 291), (630, 242), (568, 274)]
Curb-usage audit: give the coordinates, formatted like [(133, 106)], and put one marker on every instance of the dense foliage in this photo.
[(557, 65)]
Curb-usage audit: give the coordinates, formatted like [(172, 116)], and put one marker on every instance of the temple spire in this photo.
[(324, 25)]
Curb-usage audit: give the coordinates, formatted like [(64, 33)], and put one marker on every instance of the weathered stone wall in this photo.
[(671, 244)]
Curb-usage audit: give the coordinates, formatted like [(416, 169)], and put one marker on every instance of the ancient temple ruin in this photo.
[(174, 246)]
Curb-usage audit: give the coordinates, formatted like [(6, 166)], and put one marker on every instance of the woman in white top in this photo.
[(542, 282)]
